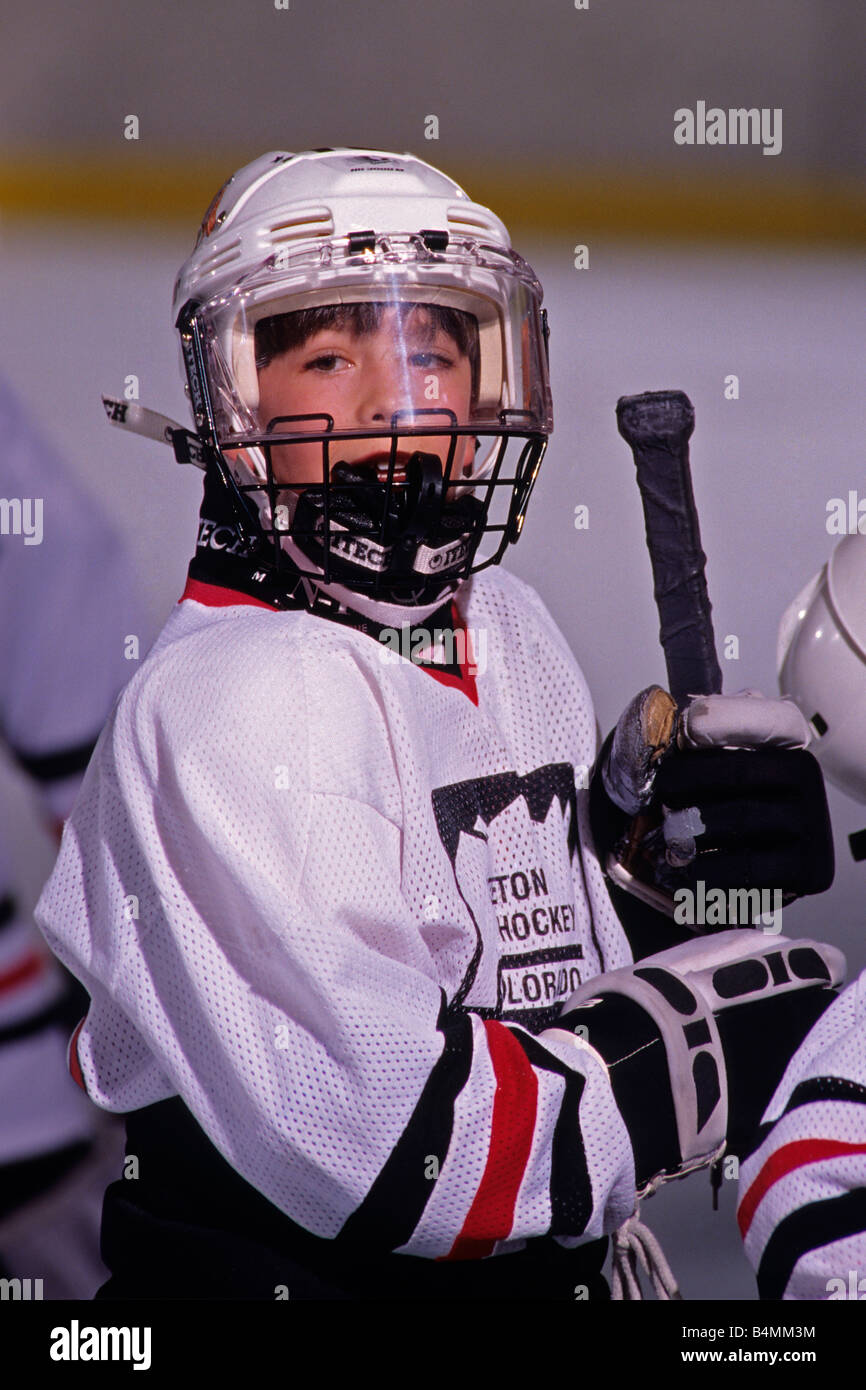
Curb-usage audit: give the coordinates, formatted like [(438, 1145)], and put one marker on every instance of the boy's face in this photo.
[(361, 379)]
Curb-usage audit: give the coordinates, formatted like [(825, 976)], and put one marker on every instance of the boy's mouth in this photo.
[(378, 466)]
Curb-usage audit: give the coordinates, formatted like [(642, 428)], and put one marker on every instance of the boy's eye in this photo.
[(324, 362), (432, 361)]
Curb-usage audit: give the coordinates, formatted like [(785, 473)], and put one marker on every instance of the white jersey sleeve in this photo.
[(328, 899), (802, 1202)]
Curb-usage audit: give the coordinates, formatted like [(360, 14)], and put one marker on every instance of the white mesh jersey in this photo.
[(65, 608), (327, 898), (802, 1203)]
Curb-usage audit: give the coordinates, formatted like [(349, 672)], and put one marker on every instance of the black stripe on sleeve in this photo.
[(52, 767), (816, 1088), (570, 1188), (809, 1228), (395, 1203), (825, 1088)]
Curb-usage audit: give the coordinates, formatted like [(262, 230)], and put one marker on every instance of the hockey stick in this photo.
[(657, 427)]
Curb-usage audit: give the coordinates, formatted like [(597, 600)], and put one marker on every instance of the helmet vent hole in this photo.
[(223, 254), (819, 725), (460, 219), (309, 222)]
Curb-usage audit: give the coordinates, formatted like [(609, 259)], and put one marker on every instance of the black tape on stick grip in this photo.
[(657, 426)]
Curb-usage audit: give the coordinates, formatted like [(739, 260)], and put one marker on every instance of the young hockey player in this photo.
[(357, 978)]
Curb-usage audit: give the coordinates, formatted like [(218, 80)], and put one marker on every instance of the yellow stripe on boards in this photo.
[(670, 204)]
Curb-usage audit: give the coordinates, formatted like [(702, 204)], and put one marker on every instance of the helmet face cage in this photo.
[(453, 335)]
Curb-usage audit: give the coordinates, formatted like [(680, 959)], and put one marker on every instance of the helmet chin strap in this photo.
[(388, 614)]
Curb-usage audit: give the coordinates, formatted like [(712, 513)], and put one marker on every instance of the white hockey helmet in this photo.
[(821, 663), (363, 240)]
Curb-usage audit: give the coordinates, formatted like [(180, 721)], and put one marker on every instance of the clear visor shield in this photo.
[(368, 379)]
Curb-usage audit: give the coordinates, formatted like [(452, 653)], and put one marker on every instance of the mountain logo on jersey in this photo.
[(513, 846)]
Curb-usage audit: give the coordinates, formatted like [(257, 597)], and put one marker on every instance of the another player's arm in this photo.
[(802, 1198)]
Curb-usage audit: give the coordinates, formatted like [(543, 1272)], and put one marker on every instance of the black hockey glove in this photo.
[(724, 803), (696, 1039)]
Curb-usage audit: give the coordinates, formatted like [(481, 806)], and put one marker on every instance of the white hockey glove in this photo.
[(696, 1038), (724, 795)]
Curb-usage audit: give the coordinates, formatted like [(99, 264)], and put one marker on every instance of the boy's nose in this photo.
[(384, 391)]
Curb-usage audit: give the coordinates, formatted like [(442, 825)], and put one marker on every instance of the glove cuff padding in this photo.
[(698, 1071), (629, 1041)]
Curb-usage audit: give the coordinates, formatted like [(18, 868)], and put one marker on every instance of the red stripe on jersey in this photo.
[(25, 970), (491, 1216), (791, 1156), (215, 596), (465, 681), (74, 1064)]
